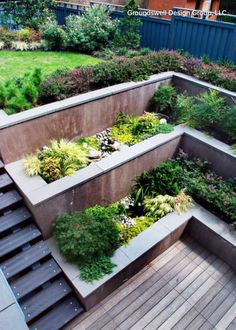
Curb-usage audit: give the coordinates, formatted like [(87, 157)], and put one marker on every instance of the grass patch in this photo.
[(15, 63)]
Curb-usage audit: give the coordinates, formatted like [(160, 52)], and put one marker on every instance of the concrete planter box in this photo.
[(203, 226), (113, 177), (86, 114)]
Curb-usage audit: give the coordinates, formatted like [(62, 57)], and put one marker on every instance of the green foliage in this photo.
[(183, 109), (161, 205), (21, 94), (92, 31), (54, 36), (141, 223), (208, 110), (97, 269), (164, 179), (59, 159), (28, 13), (165, 99), (228, 123), (54, 87), (130, 130), (88, 239), (129, 34)]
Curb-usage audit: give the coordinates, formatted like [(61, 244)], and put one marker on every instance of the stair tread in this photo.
[(14, 218), (9, 198), (18, 239), (25, 259), (35, 278), (59, 316), (5, 180), (46, 298)]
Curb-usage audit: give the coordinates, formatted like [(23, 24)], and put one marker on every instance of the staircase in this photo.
[(38, 283)]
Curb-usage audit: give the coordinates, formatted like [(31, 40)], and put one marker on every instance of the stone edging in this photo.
[(148, 245)]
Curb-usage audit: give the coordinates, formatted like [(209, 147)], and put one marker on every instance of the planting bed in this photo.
[(112, 178)]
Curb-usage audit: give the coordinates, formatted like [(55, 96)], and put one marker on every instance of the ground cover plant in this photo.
[(62, 158), (90, 238), (196, 178), (208, 112)]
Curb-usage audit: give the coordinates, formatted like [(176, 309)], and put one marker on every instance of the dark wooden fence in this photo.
[(197, 36)]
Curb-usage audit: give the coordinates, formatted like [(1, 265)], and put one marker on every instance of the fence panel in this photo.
[(201, 37)]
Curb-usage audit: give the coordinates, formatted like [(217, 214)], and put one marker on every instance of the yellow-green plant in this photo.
[(32, 165), (161, 205)]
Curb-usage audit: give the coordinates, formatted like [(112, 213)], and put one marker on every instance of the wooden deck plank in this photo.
[(187, 287)]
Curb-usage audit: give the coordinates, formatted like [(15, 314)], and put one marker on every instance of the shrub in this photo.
[(59, 159), (54, 87), (228, 122), (28, 13), (208, 110), (164, 179), (88, 238), (165, 99), (7, 37), (92, 31), (21, 94), (130, 130), (79, 80), (183, 109), (129, 34), (161, 205), (53, 35)]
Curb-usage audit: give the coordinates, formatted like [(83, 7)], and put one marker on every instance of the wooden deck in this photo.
[(185, 288)]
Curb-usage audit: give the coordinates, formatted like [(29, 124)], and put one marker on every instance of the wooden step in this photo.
[(59, 316), (46, 298), (25, 259), (12, 242), (34, 279), (9, 198), (14, 218), (5, 180)]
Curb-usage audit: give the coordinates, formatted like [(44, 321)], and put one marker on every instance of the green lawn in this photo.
[(16, 63)]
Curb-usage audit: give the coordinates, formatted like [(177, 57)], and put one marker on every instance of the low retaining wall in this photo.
[(86, 114), (202, 225), (103, 182), (112, 178), (128, 259)]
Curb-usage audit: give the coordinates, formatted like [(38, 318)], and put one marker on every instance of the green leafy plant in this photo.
[(60, 158), (96, 269), (161, 205), (130, 130), (209, 109), (89, 239), (53, 35), (165, 99), (28, 13), (20, 95), (92, 31), (129, 35)]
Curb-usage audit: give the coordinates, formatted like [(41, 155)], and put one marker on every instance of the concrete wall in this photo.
[(86, 114), (104, 189), (78, 116)]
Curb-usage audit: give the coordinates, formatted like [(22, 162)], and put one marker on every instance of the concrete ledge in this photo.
[(88, 113), (129, 259), (201, 224), (112, 178), (10, 312)]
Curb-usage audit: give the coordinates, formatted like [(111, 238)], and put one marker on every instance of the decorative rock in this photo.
[(115, 145), (94, 154), (163, 121)]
